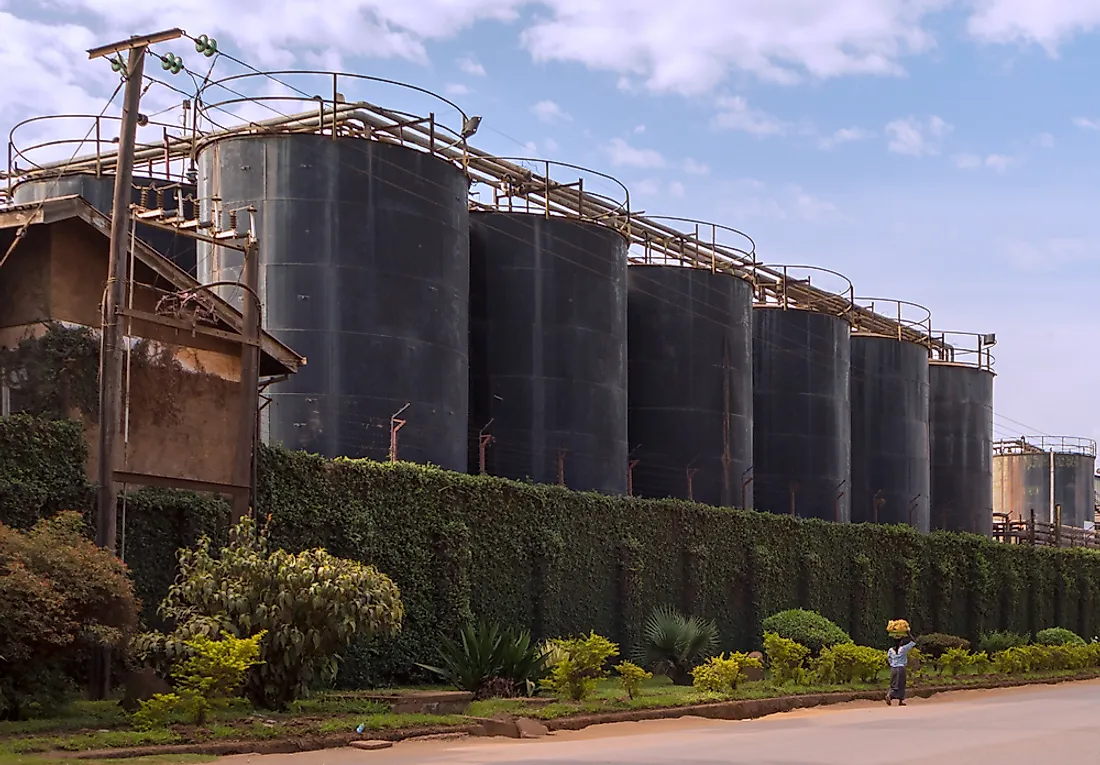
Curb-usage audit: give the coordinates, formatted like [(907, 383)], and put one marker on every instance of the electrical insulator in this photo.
[(207, 46)]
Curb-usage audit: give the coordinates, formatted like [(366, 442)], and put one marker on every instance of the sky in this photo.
[(943, 152)]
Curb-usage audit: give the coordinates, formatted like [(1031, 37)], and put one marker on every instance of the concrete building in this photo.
[(184, 380)]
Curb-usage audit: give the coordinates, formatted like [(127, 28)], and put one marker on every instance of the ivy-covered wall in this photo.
[(559, 562)]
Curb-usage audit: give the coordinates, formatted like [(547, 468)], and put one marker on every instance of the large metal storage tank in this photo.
[(1026, 470), (890, 453), (960, 430), (99, 192), (548, 348), (802, 416), (690, 382), (364, 270)]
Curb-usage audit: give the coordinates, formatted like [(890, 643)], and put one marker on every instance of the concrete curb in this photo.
[(747, 709)]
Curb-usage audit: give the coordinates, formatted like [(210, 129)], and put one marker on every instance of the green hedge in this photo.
[(561, 562)]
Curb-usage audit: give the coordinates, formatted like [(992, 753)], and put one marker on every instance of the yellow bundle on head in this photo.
[(899, 626)]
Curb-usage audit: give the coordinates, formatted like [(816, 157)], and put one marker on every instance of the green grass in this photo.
[(85, 726), (163, 759)]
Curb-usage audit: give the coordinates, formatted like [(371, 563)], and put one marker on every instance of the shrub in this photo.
[(1058, 636), (954, 661), (935, 644), (845, 663), (576, 674), (721, 675), (980, 663), (995, 642), (60, 597), (808, 628), (631, 677), (673, 646), (489, 661), (786, 658), (311, 604), (1016, 660), (207, 679)]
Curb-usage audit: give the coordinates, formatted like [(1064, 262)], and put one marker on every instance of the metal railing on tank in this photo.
[(707, 246), (97, 137), (968, 349), (795, 289), (335, 113), (524, 190), (912, 322), (1085, 447)]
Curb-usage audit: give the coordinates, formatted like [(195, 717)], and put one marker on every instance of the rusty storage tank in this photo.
[(890, 452), (690, 381), (802, 416), (960, 431), (364, 270), (1050, 476), (99, 192), (548, 348)]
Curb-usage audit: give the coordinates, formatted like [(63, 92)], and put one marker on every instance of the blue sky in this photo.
[(935, 151)]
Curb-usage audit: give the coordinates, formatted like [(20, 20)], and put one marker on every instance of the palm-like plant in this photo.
[(489, 661), (673, 645)]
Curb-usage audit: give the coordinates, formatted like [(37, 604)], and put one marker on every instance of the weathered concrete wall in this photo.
[(183, 391)]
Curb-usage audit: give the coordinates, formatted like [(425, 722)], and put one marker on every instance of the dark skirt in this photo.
[(897, 683)]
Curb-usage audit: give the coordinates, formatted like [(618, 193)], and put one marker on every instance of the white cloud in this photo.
[(549, 111), (844, 135), (1086, 123), (623, 154), (457, 89), (646, 187), (967, 161), (692, 167), (778, 42), (639, 129), (751, 199), (998, 162), (917, 138), (1047, 24), (469, 65), (734, 113), (677, 189), (550, 145), (1045, 140), (1057, 252)]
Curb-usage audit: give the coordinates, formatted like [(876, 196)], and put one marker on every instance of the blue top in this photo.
[(899, 657)]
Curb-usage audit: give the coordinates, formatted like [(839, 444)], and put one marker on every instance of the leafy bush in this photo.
[(845, 663), (808, 628), (631, 677), (786, 658), (212, 675), (311, 604), (721, 675), (60, 597), (934, 645), (954, 661), (980, 663), (995, 642), (489, 661), (1058, 636), (1016, 660), (673, 646), (576, 674)]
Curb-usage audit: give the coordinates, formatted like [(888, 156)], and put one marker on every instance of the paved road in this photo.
[(1059, 725)]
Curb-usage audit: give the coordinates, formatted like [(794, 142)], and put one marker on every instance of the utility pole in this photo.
[(250, 378), (110, 376), (118, 276)]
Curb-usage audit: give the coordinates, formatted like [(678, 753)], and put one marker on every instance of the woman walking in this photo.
[(898, 658)]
